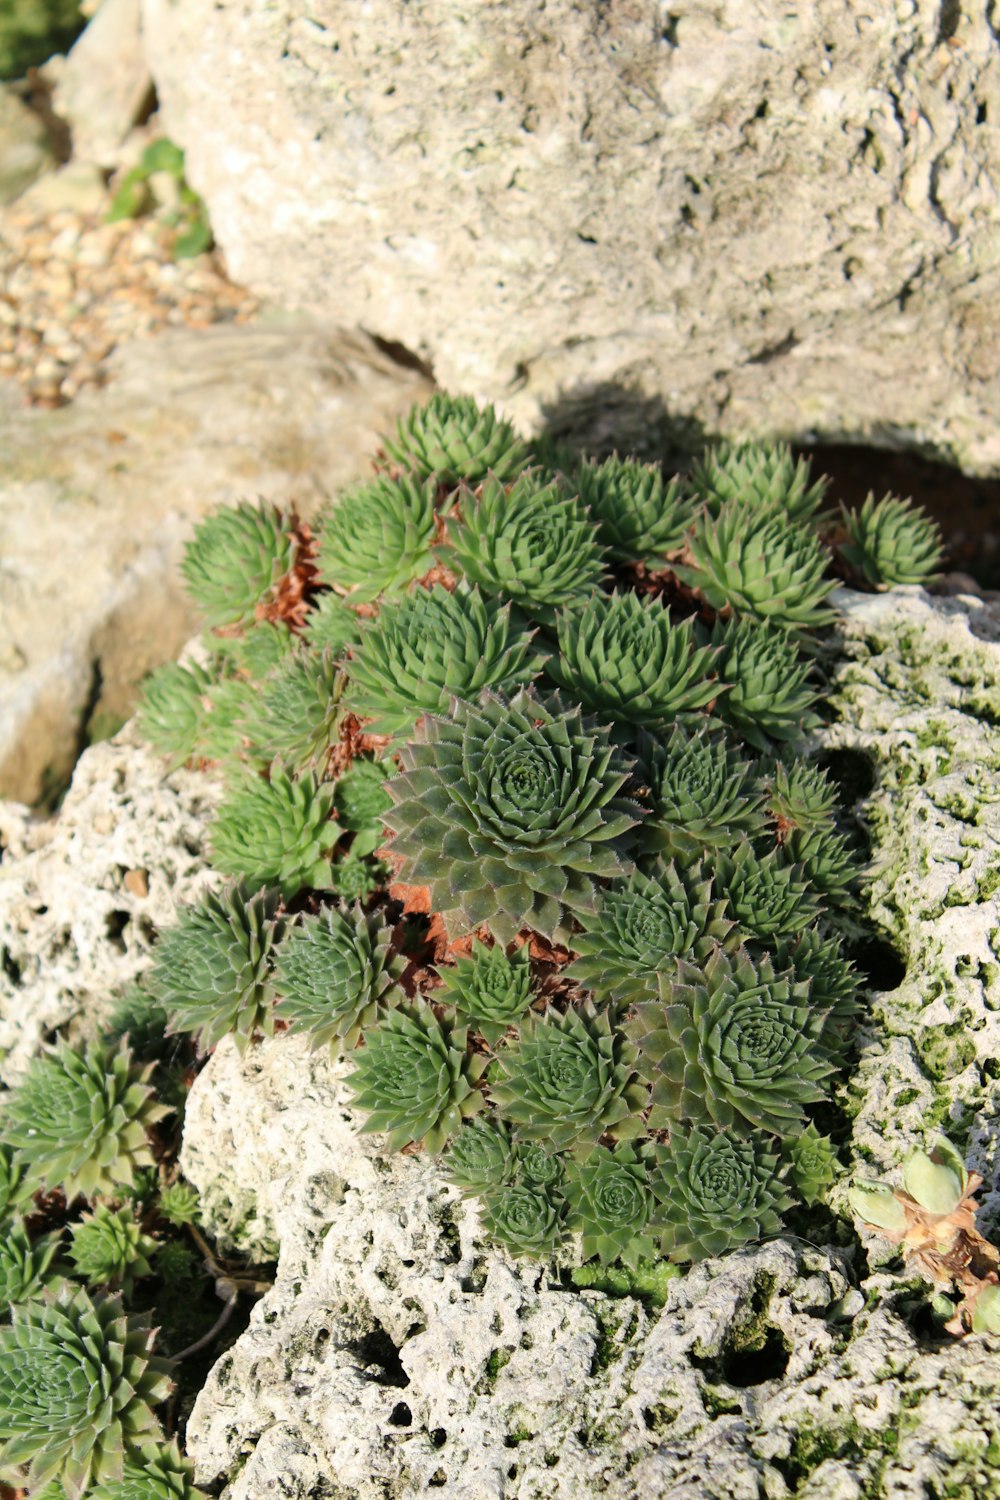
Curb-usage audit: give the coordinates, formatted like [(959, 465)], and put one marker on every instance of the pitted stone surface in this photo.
[(737, 216)]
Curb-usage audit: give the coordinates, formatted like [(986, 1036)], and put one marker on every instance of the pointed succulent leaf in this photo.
[(767, 895), (642, 925), (108, 1248), (526, 1218), (622, 658), (763, 476), (481, 1155), (640, 515), (212, 972), (568, 1078), (490, 989), (611, 1203), (78, 1387), (296, 715), (172, 710), (733, 1044), (332, 625), (877, 1206), (336, 976), (703, 795), (717, 1190), (278, 832), (78, 1120), (157, 1472), (760, 565), (414, 1078), (768, 695), (24, 1263), (813, 1163), (236, 559), (891, 541), (432, 646), (377, 538), (509, 812), (451, 438), (529, 542)]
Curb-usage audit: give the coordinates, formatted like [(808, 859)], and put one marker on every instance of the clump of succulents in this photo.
[(891, 541), (518, 759), (78, 1387)]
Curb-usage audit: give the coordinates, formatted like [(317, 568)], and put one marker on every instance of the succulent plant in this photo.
[(642, 924), (175, 1263), (179, 1203), (800, 795), (827, 860), (717, 1191), (535, 1165), (733, 1045), (361, 802), (354, 879), (451, 438), (508, 812), (891, 541), (432, 646), (108, 1248), (78, 1120), (623, 659), (611, 1202), (703, 795), (490, 989), (295, 716), (78, 1384), (212, 972), (414, 1078), (335, 976), (157, 1473), (569, 1078), (276, 832), (481, 1155), (14, 1190), (768, 695), (760, 565), (818, 958), (526, 1218), (767, 895), (764, 477), (378, 537), (258, 649), (640, 515), (332, 625), (813, 1162), (24, 1264), (236, 559), (171, 709), (226, 705), (529, 542)]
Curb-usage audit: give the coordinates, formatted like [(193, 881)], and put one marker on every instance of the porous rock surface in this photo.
[(83, 894), (751, 218), (398, 1353), (98, 498)]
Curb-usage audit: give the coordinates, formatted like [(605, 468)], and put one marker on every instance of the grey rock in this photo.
[(83, 894), (627, 219), (97, 500)]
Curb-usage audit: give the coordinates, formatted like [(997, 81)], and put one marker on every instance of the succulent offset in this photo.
[(765, 477), (891, 541), (641, 517), (334, 973)]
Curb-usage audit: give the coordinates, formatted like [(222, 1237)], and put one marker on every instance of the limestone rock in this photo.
[(83, 894), (626, 218), (98, 498), (103, 85)]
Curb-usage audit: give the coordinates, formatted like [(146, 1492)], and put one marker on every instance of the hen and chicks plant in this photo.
[(587, 938)]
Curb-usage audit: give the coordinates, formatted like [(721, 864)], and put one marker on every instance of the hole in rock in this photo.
[(401, 1415), (753, 1366), (400, 355), (852, 773), (438, 1437), (115, 924), (881, 966), (377, 1349), (10, 966)]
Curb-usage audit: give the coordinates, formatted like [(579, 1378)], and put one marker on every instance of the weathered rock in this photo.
[(743, 217), (25, 152), (399, 1352), (83, 894), (103, 85), (98, 498)]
